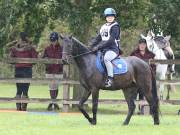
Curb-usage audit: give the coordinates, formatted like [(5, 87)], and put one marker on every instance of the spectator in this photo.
[(54, 50), (23, 49), (143, 53)]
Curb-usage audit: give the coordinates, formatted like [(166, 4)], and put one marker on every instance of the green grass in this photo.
[(110, 117), (34, 124)]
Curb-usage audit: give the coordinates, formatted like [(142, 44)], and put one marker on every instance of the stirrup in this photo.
[(108, 83)]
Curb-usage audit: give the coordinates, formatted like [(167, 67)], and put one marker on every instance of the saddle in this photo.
[(119, 64)]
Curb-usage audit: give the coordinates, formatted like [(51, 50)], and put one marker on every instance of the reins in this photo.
[(79, 42)]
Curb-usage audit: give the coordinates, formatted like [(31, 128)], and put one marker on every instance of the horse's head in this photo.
[(151, 45), (67, 49), (162, 41)]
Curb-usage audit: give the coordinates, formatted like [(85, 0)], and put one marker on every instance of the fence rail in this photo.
[(37, 80), (61, 81), (71, 101), (66, 101), (59, 61)]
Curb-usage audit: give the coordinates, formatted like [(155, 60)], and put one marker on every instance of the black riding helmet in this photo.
[(23, 36), (142, 40)]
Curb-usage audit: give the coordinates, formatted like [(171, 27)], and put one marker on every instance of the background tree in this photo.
[(82, 18)]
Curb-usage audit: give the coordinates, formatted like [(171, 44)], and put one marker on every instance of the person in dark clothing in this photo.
[(23, 49), (143, 53), (108, 41), (53, 71)]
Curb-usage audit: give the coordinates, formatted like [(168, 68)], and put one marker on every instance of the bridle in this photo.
[(69, 55)]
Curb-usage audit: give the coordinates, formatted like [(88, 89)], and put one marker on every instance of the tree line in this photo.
[(82, 18), (33, 16)]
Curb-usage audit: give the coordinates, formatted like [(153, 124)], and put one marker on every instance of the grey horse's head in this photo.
[(157, 41), (162, 41), (67, 49)]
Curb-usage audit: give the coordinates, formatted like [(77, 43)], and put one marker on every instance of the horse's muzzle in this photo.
[(65, 61)]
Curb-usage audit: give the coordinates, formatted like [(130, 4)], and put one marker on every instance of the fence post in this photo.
[(66, 88)]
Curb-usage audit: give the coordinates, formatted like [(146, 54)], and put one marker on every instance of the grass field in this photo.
[(37, 121)]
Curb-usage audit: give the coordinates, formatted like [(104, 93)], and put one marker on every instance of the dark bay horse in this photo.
[(138, 76)]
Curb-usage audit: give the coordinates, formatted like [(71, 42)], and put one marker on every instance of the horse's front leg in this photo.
[(95, 98), (83, 99)]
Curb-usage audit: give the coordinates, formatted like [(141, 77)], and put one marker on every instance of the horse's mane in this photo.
[(82, 47)]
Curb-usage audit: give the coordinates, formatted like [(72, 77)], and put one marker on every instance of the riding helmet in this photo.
[(142, 40), (109, 12), (23, 35), (54, 36)]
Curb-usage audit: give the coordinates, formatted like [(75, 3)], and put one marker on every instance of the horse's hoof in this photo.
[(93, 122), (156, 123), (125, 123), (179, 112)]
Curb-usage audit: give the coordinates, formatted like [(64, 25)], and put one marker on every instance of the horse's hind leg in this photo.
[(83, 99), (152, 99), (130, 95)]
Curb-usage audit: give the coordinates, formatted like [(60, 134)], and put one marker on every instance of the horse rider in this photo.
[(22, 49), (108, 41), (53, 71)]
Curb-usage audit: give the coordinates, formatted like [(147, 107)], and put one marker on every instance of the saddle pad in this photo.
[(119, 65)]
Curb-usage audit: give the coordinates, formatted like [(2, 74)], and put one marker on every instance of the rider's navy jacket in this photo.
[(112, 42)]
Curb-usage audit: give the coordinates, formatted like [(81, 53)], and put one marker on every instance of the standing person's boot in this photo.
[(56, 106), (18, 105), (24, 105), (53, 94), (49, 108)]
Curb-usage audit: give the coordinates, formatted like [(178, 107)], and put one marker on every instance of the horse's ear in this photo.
[(142, 36), (167, 38), (61, 36), (152, 33), (149, 33)]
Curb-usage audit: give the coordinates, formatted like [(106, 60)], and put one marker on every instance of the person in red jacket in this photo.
[(143, 53), (23, 49), (54, 50)]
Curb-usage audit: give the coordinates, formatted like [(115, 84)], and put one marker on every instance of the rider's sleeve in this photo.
[(115, 32), (96, 40)]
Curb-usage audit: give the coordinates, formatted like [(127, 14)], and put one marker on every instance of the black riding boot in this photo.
[(49, 108), (53, 94), (18, 105), (24, 105)]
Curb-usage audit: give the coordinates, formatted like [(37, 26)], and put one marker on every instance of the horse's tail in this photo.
[(154, 87), (155, 95)]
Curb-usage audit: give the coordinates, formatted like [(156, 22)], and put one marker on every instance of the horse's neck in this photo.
[(86, 65), (83, 57), (159, 54)]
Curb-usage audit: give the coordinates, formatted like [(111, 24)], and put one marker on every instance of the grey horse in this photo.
[(139, 75)]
